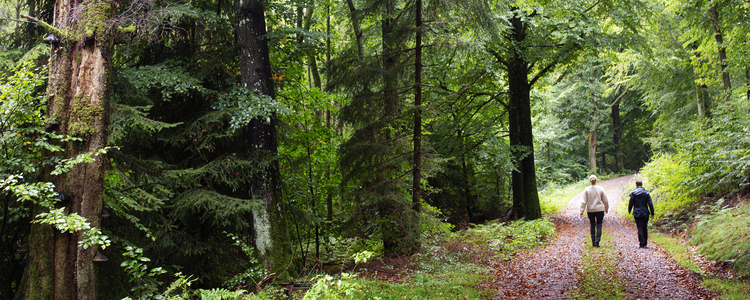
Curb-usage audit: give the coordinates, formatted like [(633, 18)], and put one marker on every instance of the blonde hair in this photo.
[(592, 178)]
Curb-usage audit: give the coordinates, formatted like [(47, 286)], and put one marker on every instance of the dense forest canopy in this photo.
[(237, 141)]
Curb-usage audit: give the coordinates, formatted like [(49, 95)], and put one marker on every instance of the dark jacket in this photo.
[(640, 203)]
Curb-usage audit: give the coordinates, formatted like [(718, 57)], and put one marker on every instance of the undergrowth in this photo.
[(732, 289), (677, 250), (555, 198), (504, 239), (725, 236), (450, 266), (598, 277)]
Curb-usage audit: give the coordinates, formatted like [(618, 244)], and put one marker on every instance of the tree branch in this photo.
[(17, 20), (51, 29), (621, 95), (499, 58)]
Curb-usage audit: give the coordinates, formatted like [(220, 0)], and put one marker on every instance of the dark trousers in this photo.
[(596, 219), (642, 224)]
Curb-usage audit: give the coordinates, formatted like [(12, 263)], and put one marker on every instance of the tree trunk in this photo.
[(617, 137), (400, 238), (272, 239), (592, 147), (78, 89), (417, 174), (357, 30), (699, 88), (721, 48), (525, 194)]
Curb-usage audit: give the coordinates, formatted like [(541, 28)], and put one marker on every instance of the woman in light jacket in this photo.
[(595, 203)]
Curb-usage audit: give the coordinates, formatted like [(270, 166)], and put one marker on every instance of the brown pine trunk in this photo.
[(271, 233), (78, 89)]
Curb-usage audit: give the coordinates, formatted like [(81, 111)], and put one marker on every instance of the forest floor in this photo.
[(554, 271)]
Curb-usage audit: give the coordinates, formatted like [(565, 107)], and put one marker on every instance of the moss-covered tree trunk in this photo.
[(78, 91), (272, 239)]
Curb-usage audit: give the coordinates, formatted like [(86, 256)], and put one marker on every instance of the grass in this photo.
[(554, 198), (729, 289), (724, 236), (677, 251), (598, 274), (457, 284)]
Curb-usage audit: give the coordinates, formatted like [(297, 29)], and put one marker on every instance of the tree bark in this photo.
[(721, 48), (699, 88), (592, 146), (272, 239), (79, 93), (525, 194), (417, 174), (357, 30), (617, 137)]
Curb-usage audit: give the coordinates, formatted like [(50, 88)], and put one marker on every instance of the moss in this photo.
[(94, 17), (128, 29), (82, 116)]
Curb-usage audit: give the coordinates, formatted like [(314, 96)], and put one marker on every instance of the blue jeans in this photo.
[(596, 219)]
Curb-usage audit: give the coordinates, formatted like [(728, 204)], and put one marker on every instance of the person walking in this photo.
[(641, 205), (596, 204)]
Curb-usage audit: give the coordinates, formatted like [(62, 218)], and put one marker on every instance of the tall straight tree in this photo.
[(417, 172), (79, 93), (375, 159), (528, 39), (271, 235)]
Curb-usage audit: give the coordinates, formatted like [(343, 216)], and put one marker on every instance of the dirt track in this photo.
[(550, 272)]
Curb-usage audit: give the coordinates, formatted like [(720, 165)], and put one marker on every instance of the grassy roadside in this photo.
[(598, 277), (730, 289), (458, 284)]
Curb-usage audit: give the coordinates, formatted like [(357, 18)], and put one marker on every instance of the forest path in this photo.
[(551, 272)]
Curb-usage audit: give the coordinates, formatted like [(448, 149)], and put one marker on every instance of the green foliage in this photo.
[(711, 158), (329, 287), (554, 198), (677, 250), (144, 283), (733, 289), (665, 175), (168, 78), (506, 238), (254, 273), (723, 236), (73, 223), (453, 284), (244, 105), (434, 225)]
